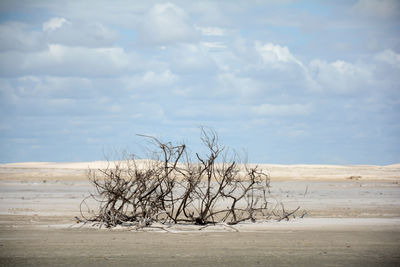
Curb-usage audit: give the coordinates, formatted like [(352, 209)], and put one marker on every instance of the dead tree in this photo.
[(172, 188)]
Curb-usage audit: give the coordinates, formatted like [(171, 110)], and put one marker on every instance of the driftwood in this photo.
[(173, 188)]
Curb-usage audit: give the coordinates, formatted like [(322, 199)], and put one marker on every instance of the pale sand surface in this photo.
[(349, 222), (78, 171)]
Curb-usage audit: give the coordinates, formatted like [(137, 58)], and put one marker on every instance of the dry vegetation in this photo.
[(174, 187)]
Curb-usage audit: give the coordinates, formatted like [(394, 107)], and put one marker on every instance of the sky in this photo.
[(289, 82)]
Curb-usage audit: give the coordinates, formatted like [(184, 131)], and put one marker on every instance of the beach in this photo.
[(350, 217)]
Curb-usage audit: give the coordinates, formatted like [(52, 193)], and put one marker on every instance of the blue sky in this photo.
[(286, 81)]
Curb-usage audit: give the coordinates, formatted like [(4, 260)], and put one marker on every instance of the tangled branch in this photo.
[(172, 188)]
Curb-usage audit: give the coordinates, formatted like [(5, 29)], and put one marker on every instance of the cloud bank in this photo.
[(289, 83)]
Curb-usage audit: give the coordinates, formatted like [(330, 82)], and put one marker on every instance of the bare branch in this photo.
[(171, 188)]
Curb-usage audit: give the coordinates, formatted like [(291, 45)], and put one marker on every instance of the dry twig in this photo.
[(172, 188)]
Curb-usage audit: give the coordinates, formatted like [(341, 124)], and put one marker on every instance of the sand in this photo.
[(352, 219), (78, 171)]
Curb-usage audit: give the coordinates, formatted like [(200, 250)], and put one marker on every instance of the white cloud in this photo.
[(151, 79), (282, 110), (54, 23), (151, 66), (280, 58), (54, 87), (211, 31), (276, 66), (105, 60), (231, 85), (62, 60), (163, 78), (166, 24), (340, 76), (15, 36), (390, 57), (216, 45), (275, 54), (345, 68), (79, 33), (191, 58)]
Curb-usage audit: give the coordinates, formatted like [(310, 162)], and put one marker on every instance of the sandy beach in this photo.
[(211, 111), (352, 218)]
